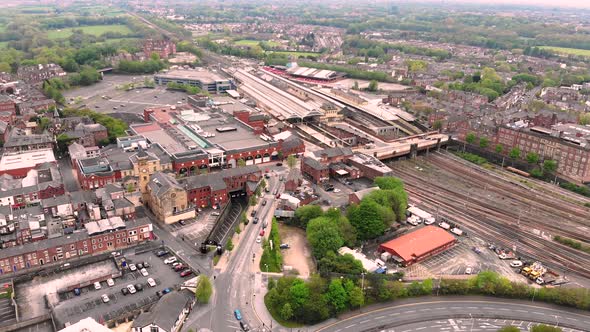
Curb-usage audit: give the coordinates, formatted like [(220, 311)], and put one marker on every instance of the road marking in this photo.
[(394, 314), (349, 326), (538, 313), (409, 311), (420, 328), (379, 317), (365, 321), (520, 310)]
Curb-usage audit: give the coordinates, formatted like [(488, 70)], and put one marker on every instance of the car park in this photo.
[(131, 289), (170, 260), (110, 282), (238, 314), (124, 291), (132, 267), (105, 298), (144, 272), (97, 285), (186, 273), (151, 282)]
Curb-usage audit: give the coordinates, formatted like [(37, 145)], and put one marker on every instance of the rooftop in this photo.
[(26, 159), (370, 162), (19, 137), (419, 242), (203, 75), (165, 313), (86, 325)]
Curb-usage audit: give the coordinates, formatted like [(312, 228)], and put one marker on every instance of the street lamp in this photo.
[(363, 283), (266, 265)]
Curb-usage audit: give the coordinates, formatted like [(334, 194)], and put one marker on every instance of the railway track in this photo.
[(497, 221)]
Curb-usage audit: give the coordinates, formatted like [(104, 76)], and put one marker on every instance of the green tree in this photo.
[(333, 262), (291, 161), (499, 148), (356, 297), (514, 153), (204, 289), (366, 219), (305, 213), (484, 142), (337, 296), (241, 162), (509, 329), (323, 236), (532, 158), (470, 138), (549, 166), (130, 188), (373, 85), (298, 294), (545, 328), (229, 246), (286, 312), (252, 200)]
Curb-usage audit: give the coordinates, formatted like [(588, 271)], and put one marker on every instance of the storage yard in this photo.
[(501, 211)]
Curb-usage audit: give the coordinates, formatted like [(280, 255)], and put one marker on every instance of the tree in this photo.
[(286, 312), (499, 148), (291, 161), (514, 153), (484, 142), (130, 188), (337, 296), (355, 297), (509, 329), (298, 294), (241, 162), (204, 289), (323, 236), (346, 263), (373, 85), (229, 246), (549, 166), (532, 158), (305, 213), (366, 219), (545, 328), (470, 138)]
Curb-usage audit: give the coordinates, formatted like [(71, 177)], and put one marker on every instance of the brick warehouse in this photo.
[(97, 237), (418, 245)]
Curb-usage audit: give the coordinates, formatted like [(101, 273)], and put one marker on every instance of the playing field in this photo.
[(96, 30), (565, 50), (251, 42)]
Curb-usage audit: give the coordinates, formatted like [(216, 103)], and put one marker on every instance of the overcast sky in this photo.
[(554, 3)]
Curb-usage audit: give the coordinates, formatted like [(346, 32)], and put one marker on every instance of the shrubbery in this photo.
[(272, 259)]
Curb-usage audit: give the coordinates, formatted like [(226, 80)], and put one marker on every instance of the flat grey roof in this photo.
[(203, 75)]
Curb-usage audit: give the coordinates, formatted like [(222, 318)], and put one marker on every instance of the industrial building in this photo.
[(203, 79), (418, 245)]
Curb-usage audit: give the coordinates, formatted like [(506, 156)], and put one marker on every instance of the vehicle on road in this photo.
[(238, 314), (245, 327), (124, 291), (258, 239), (170, 260), (97, 285), (186, 273), (151, 282), (144, 272), (110, 282), (253, 213), (105, 298), (516, 264), (131, 289), (279, 164), (264, 224), (264, 202), (215, 214), (162, 253), (284, 246), (132, 267), (255, 220), (262, 232)]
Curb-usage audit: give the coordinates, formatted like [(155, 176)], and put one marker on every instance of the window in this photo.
[(154, 329)]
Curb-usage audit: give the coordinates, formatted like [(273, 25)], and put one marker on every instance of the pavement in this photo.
[(435, 314)]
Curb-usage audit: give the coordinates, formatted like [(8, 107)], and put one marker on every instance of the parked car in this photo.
[(110, 282), (162, 253), (279, 164), (468, 270), (166, 290), (215, 214), (179, 267), (182, 222), (170, 260), (144, 272), (105, 298), (146, 265), (516, 264), (186, 273), (284, 246), (159, 293), (151, 282), (97, 285), (77, 291), (139, 266), (131, 289), (258, 239), (238, 314), (139, 287), (125, 291)]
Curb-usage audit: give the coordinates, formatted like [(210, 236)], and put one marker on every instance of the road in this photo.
[(433, 313), (234, 286)]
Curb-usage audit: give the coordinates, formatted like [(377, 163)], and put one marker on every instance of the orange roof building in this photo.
[(419, 245)]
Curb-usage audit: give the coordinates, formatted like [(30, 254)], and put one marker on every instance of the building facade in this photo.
[(167, 199)]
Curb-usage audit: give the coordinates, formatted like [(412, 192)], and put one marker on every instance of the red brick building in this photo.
[(164, 48), (105, 236), (7, 104), (313, 168), (570, 150), (418, 245)]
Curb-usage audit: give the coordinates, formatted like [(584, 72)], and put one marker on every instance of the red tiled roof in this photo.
[(418, 243), (147, 128)]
